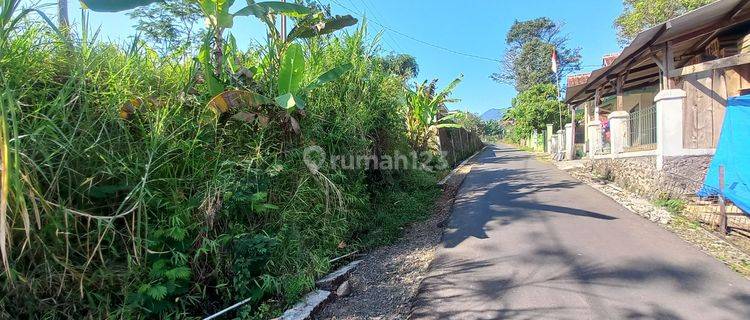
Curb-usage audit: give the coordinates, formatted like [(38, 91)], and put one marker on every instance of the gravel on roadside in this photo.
[(388, 278)]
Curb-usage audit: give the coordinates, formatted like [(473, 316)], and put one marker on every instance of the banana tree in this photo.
[(308, 24), (287, 59), (290, 86), (291, 89), (424, 112)]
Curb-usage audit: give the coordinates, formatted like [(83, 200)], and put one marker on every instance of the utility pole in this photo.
[(283, 25), (62, 15)]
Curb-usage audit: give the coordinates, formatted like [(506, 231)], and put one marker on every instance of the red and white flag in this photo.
[(554, 60)]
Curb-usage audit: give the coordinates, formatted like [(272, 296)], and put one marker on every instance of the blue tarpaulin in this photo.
[(733, 152)]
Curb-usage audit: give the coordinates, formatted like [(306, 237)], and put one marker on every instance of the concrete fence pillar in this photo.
[(618, 126), (570, 136), (548, 138), (594, 132), (669, 122), (553, 143), (560, 141)]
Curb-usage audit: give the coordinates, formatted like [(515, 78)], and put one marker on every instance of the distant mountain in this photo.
[(493, 115)]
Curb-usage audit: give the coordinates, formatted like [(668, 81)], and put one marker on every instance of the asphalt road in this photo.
[(527, 241)]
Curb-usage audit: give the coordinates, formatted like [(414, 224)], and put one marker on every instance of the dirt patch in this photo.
[(384, 283)]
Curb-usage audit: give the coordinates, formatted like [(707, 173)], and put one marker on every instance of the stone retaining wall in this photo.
[(694, 167), (687, 172), (680, 177), (635, 174)]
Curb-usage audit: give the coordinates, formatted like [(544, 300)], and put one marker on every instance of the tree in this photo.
[(402, 64), (534, 108), (422, 113), (169, 25), (639, 15), (528, 59), (491, 128), (470, 121)]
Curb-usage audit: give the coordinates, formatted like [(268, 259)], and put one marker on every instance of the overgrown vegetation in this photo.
[(492, 128), (528, 65), (672, 205), (532, 110), (426, 112), (143, 185), (528, 60), (639, 15)]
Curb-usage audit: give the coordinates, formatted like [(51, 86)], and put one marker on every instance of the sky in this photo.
[(419, 27)]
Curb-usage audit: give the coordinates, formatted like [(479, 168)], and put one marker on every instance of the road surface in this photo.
[(527, 241)]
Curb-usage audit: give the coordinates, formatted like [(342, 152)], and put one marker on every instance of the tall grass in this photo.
[(123, 198)]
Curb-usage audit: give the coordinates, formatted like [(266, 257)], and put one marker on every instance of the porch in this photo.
[(664, 96)]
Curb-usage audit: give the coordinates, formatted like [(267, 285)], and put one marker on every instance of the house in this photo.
[(659, 104)]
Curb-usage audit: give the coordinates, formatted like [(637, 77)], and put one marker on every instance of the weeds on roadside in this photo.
[(672, 205), (124, 197)]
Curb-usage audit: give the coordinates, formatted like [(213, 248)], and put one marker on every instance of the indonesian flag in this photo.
[(554, 60)]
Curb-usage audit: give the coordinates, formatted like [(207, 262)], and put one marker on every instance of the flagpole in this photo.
[(557, 88), (557, 83)]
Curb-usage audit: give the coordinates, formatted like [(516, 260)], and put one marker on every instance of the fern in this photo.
[(158, 292), (179, 273)]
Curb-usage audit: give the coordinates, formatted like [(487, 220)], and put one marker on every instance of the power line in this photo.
[(436, 46), (391, 44), (383, 18)]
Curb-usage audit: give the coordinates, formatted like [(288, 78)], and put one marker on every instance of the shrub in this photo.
[(129, 199)]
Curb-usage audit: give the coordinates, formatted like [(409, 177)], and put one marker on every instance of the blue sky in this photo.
[(476, 27)]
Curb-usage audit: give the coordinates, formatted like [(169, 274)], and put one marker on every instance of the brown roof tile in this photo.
[(608, 59), (578, 79)]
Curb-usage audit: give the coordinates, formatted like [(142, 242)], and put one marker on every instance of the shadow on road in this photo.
[(492, 279), (513, 189)]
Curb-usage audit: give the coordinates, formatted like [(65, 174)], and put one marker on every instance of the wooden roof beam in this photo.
[(635, 86), (736, 60), (612, 82), (726, 21), (634, 55), (724, 25)]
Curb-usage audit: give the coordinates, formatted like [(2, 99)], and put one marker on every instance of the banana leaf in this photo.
[(286, 8), (237, 99), (440, 97), (215, 86), (263, 9), (449, 117), (447, 125), (312, 27), (290, 101), (331, 75), (115, 5), (292, 70), (217, 12)]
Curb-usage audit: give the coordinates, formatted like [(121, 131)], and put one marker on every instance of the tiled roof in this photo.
[(578, 79), (608, 59)]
